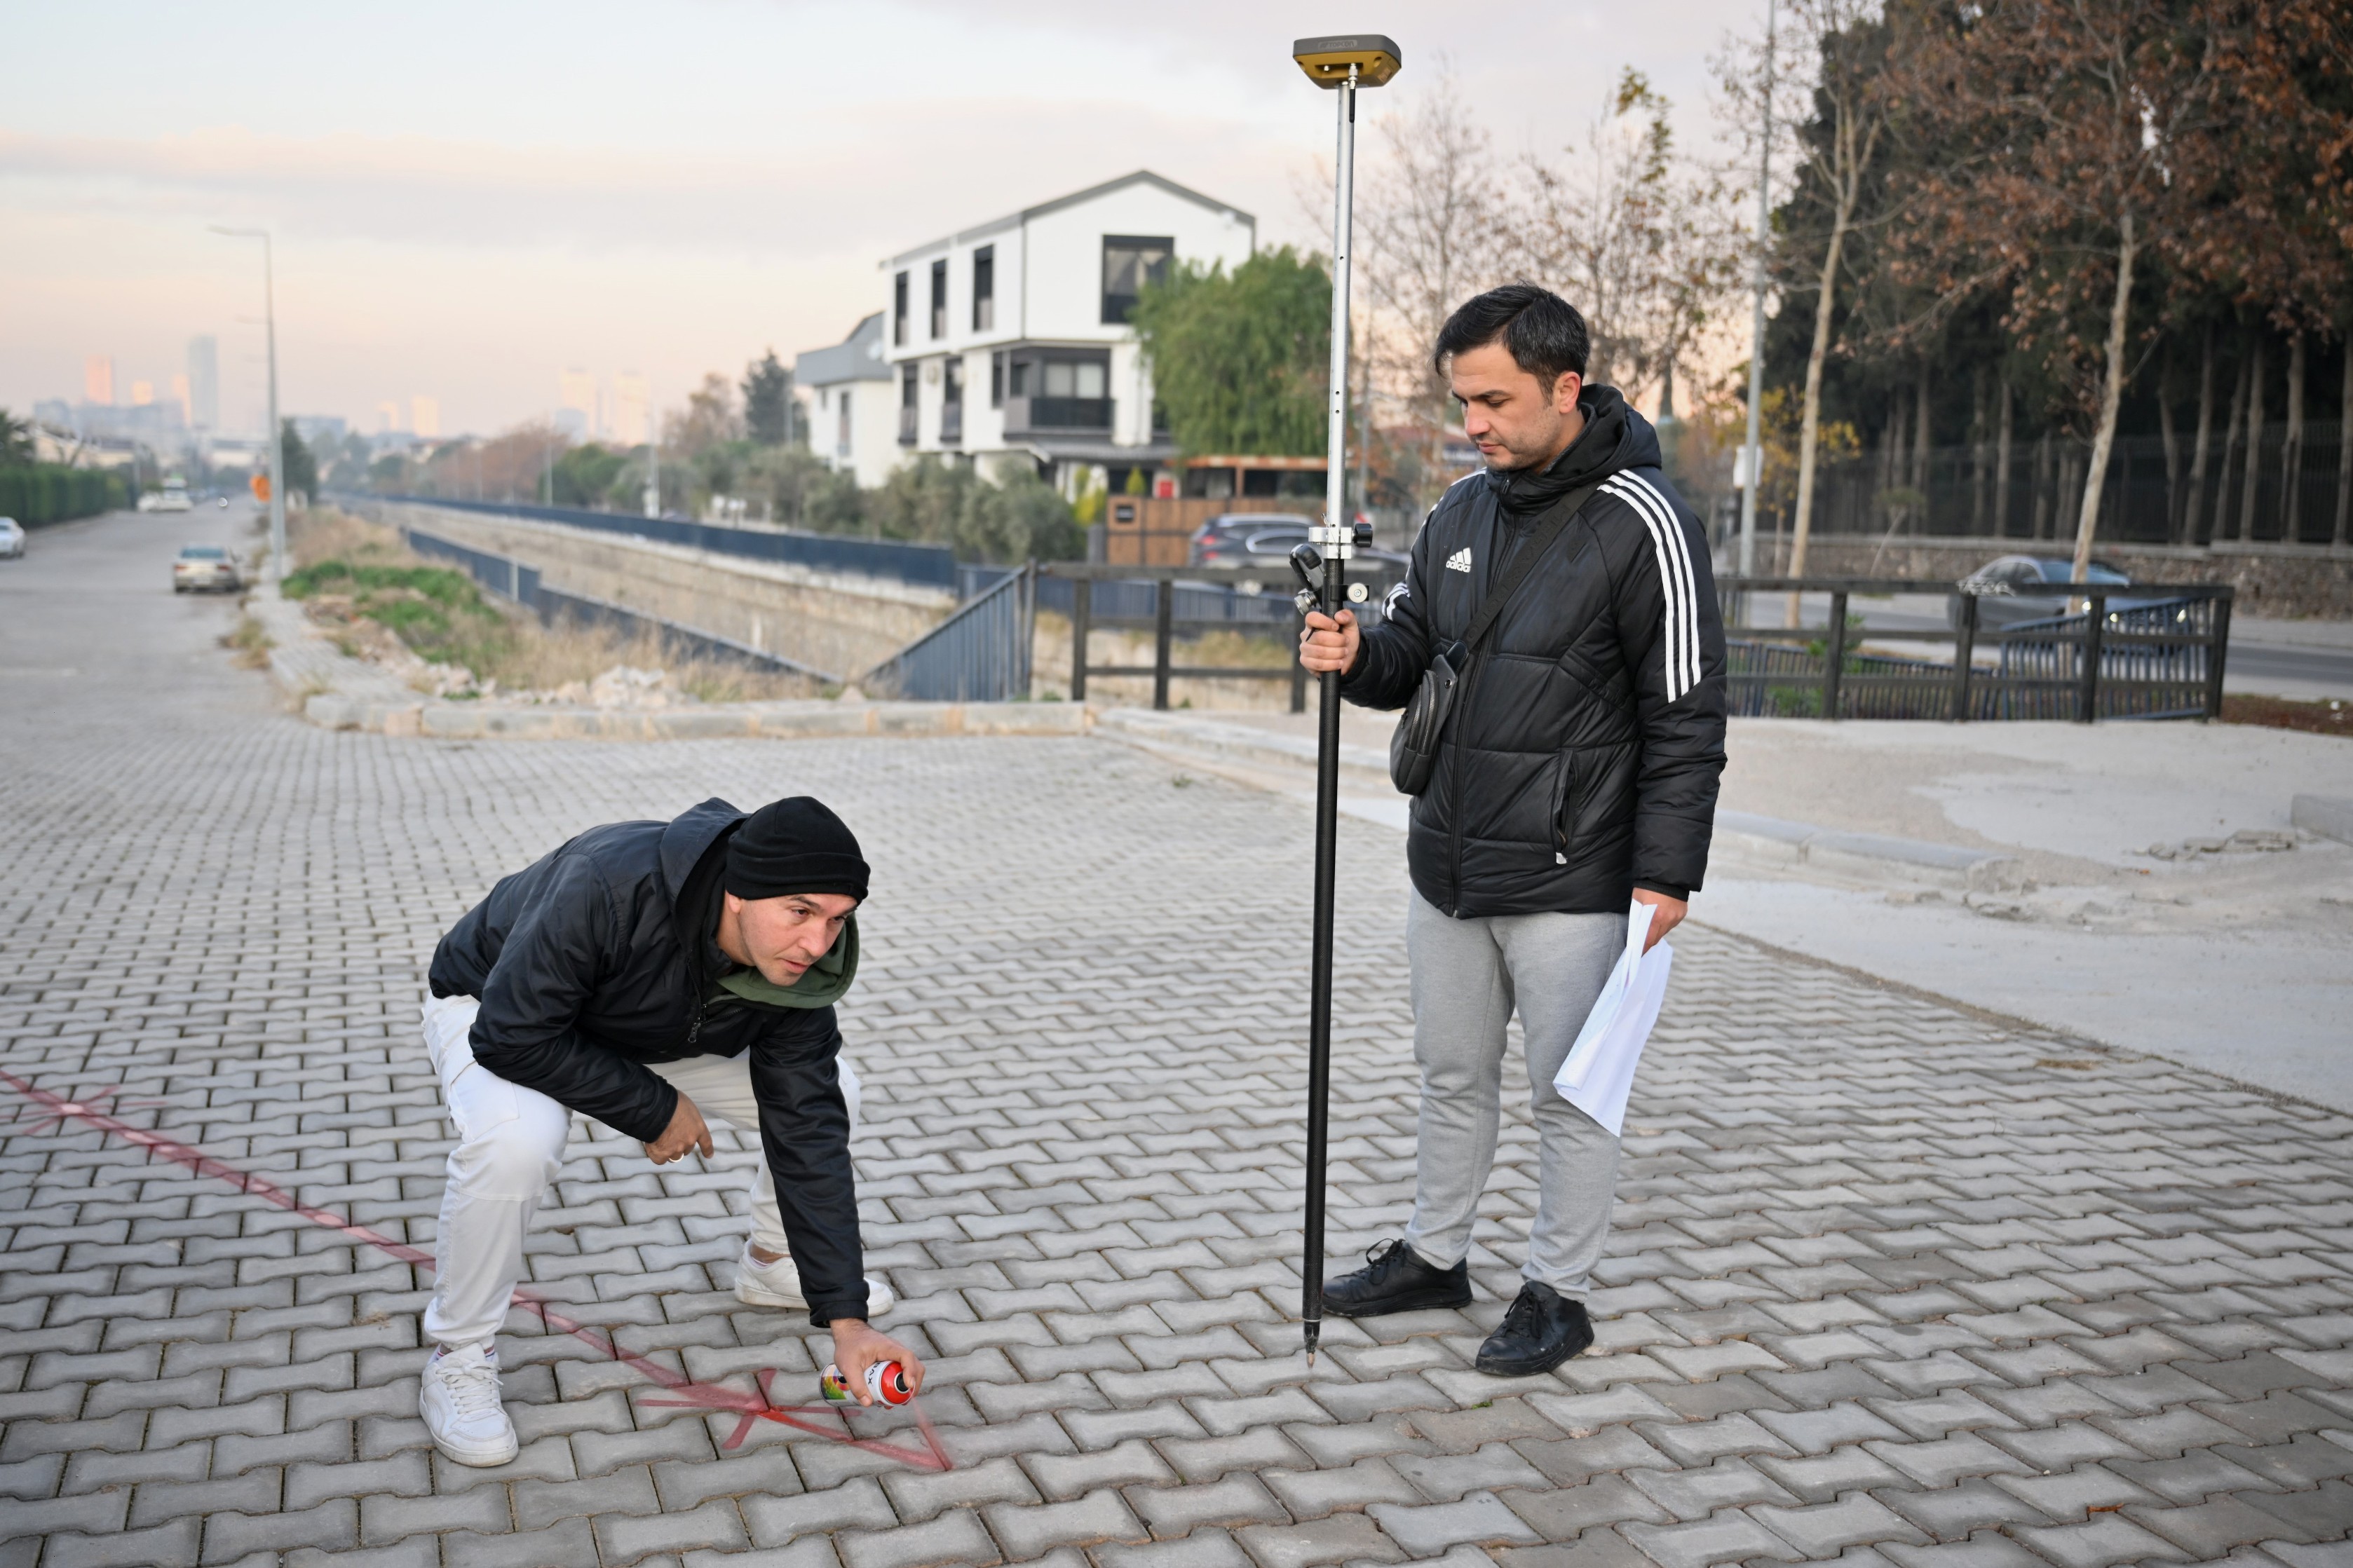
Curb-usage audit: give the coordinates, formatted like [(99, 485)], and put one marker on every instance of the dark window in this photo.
[(1129, 261), (983, 288), (939, 299), (952, 381), (899, 310), (907, 410), (996, 379), (1019, 384)]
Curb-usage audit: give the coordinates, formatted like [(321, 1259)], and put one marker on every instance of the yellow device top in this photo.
[(1326, 60)]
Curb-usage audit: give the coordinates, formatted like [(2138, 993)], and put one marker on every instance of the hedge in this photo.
[(52, 492)]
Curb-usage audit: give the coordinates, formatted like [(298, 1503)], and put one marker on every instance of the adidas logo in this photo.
[(1460, 561)]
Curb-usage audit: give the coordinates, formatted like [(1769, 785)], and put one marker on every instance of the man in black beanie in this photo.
[(644, 973)]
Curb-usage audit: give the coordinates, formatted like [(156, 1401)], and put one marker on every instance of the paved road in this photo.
[(1889, 1283)]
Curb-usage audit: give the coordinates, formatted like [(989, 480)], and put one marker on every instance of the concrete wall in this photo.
[(844, 624), (2287, 581)]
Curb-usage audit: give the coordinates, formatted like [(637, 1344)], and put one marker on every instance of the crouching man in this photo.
[(650, 975)]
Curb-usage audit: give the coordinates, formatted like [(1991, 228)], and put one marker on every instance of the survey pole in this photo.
[(1345, 63)]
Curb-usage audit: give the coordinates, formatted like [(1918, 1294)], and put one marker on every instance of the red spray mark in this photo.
[(701, 1396)]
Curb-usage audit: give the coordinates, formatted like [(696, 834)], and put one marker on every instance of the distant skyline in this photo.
[(476, 202)]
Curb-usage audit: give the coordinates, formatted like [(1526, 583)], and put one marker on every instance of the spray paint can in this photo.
[(886, 1380)]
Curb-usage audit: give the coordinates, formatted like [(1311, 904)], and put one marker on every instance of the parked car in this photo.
[(12, 538), (1265, 538), (205, 566), (2011, 590)]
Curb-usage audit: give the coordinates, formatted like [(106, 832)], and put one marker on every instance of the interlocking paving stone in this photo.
[(1875, 1267)]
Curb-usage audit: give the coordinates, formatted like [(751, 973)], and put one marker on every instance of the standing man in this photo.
[(644, 974), (1577, 771)]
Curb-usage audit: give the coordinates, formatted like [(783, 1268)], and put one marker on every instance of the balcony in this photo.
[(906, 426), (951, 422), (1041, 416)]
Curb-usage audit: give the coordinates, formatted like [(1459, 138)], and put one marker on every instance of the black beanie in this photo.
[(794, 846)]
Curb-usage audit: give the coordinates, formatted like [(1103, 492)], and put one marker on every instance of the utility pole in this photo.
[(1753, 455), (653, 453), (276, 438)]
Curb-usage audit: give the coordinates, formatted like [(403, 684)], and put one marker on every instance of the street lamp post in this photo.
[(277, 440), (1753, 455), (1345, 63)]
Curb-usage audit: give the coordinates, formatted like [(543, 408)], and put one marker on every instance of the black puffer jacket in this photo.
[(599, 959), (1581, 758)]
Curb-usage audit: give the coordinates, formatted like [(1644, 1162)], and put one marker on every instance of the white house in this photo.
[(1011, 342), (847, 395)]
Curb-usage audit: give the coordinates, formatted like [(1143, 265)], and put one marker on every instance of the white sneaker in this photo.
[(460, 1401), (778, 1284)]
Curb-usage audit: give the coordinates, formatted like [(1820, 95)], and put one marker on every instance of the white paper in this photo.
[(1599, 1073)]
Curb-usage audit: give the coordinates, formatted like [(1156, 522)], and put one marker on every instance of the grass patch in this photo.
[(249, 643)]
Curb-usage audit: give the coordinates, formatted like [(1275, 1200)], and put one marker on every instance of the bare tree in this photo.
[(1837, 111), (1643, 242), (1430, 217)]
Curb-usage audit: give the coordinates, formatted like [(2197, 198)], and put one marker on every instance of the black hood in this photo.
[(1615, 438)]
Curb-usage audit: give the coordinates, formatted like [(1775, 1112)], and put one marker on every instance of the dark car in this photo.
[(2012, 590), (1265, 538)]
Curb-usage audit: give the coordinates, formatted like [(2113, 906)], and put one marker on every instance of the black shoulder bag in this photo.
[(1413, 748)]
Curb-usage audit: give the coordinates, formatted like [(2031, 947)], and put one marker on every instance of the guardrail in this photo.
[(920, 565), (980, 654), (2161, 659)]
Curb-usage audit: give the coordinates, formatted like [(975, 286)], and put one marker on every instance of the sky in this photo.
[(467, 199)]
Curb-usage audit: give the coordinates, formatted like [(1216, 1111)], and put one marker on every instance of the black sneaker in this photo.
[(1395, 1279), (1543, 1330)]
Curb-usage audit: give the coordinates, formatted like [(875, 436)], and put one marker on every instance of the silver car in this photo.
[(12, 539), (202, 566)]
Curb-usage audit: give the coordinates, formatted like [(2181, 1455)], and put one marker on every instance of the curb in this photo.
[(809, 719), (1361, 766), (1868, 854), (1764, 837)]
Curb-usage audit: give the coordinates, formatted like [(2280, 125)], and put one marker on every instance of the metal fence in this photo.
[(980, 654), (2162, 660), (1164, 598), (923, 565)]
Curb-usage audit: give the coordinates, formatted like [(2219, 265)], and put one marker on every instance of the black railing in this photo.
[(1028, 414), (980, 654), (921, 566), (1162, 598), (2161, 659)]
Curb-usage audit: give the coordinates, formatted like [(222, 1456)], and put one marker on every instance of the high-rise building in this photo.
[(142, 393), (180, 397), (203, 383), (633, 403), (387, 417), (576, 396), (425, 415), (97, 380)]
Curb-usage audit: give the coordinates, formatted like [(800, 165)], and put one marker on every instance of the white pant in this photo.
[(510, 1146)]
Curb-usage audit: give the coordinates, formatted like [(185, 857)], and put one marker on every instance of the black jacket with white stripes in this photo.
[(1581, 757)]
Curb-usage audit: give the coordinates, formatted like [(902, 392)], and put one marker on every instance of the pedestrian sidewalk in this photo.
[(2007, 866)]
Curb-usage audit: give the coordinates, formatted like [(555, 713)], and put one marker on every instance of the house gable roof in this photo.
[(1011, 220)]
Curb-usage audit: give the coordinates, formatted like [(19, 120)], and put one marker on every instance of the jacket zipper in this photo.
[(1559, 804)]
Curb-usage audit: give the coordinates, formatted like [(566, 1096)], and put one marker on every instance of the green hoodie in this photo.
[(821, 986)]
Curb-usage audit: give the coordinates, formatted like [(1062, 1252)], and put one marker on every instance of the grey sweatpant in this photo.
[(1467, 976)]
